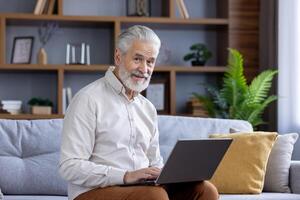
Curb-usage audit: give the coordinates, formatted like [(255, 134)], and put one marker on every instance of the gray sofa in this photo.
[(29, 154)]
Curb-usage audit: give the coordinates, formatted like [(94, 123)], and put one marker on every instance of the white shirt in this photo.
[(105, 134)]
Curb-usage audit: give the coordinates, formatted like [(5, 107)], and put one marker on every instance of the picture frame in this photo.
[(157, 94), (138, 8), (22, 50)]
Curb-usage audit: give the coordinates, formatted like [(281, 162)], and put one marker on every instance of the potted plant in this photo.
[(236, 99), (40, 106), (199, 54)]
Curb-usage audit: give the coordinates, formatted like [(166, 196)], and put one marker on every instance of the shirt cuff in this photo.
[(116, 176)]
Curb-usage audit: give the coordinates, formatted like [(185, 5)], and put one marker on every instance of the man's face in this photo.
[(135, 68)]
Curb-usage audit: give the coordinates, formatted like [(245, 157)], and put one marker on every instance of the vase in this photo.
[(41, 110), (42, 57)]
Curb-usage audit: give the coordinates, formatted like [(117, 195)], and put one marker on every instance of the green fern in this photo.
[(237, 100)]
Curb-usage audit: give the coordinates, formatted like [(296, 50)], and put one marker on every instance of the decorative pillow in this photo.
[(277, 174), (278, 167), (243, 167)]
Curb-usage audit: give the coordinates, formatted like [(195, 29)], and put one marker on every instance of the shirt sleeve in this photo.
[(154, 152), (78, 138)]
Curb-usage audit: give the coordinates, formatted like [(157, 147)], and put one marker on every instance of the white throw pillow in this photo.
[(277, 174)]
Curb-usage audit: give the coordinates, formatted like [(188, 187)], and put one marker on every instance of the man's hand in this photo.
[(145, 173)]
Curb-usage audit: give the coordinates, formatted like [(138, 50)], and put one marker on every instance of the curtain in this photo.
[(268, 54), (289, 69)]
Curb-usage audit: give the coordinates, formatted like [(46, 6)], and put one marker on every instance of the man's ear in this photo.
[(118, 57)]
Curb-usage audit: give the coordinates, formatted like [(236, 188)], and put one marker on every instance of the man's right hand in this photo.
[(145, 173)]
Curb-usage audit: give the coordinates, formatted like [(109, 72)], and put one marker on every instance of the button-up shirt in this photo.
[(106, 134)]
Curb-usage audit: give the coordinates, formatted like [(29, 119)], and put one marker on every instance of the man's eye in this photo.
[(137, 59)]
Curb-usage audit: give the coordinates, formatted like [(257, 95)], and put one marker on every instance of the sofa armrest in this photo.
[(295, 176)]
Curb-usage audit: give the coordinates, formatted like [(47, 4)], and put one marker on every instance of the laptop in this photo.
[(191, 160)]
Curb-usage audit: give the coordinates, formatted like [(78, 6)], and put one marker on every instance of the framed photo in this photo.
[(157, 93), (138, 8), (22, 50)]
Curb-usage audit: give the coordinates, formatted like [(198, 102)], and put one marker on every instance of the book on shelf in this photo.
[(50, 8), (44, 7), (179, 8), (37, 7), (66, 98), (184, 9)]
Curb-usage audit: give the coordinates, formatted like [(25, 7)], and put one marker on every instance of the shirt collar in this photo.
[(116, 83)]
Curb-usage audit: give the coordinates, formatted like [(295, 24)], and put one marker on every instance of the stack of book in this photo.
[(196, 108), (11, 106), (44, 7)]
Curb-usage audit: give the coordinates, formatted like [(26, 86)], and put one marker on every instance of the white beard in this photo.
[(126, 79)]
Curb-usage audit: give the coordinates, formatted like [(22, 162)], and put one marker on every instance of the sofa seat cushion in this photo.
[(34, 197), (262, 196)]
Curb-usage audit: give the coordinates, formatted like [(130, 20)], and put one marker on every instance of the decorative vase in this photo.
[(42, 57), (41, 110)]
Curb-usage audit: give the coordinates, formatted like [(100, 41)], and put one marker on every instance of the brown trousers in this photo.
[(183, 191)]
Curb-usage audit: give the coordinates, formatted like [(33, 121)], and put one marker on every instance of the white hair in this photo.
[(136, 32)]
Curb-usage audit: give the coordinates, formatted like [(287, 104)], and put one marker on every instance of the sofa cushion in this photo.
[(262, 196), (34, 197), (277, 174), (29, 152), (243, 167), (172, 128)]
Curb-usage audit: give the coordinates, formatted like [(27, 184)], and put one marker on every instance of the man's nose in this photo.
[(143, 67)]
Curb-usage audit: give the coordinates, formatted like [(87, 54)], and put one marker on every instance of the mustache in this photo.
[(140, 74)]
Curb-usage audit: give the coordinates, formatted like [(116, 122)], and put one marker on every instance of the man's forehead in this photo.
[(144, 55)]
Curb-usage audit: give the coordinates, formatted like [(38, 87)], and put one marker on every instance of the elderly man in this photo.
[(110, 134)]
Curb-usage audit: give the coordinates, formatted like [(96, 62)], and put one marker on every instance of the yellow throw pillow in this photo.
[(243, 167)]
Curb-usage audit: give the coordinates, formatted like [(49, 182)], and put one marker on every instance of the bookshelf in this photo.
[(102, 31)]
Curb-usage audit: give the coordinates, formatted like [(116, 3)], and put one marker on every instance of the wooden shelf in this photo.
[(199, 69), (227, 30), (111, 19), (103, 68), (29, 67), (87, 68), (30, 116)]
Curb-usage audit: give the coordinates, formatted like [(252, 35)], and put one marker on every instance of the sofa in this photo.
[(29, 156)]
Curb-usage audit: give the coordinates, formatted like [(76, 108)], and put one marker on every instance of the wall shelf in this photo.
[(227, 25), (30, 116)]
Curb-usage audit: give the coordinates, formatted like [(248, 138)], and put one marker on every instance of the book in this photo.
[(179, 8), (64, 100), (184, 10), (50, 10), (69, 95), (42, 7), (46, 6), (38, 6)]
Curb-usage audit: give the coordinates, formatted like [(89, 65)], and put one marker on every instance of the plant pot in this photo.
[(42, 57), (41, 110), (198, 62)]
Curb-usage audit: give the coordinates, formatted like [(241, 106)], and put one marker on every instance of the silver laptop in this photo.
[(191, 160)]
